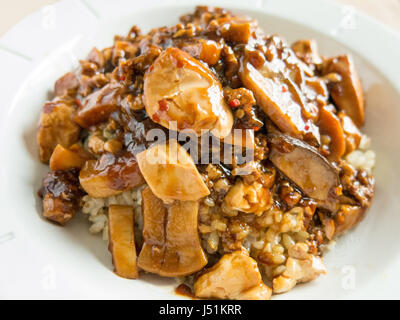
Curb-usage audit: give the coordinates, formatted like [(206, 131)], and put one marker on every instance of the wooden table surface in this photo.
[(388, 11)]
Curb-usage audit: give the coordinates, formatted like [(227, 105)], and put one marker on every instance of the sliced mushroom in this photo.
[(346, 93), (182, 93), (155, 214), (122, 241), (69, 158), (304, 165), (97, 106), (110, 175), (330, 125), (347, 217), (171, 173), (56, 127), (277, 95), (171, 241), (234, 276)]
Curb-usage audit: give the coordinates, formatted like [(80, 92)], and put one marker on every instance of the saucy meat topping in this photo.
[(61, 194), (212, 151)]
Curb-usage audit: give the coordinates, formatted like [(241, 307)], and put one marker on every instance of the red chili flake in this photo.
[(307, 127), (122, 78), (234, 103), (256, 128), (78, 102), (155, 118), (163, 105), (284, 89), (179, 63), (151, 68)]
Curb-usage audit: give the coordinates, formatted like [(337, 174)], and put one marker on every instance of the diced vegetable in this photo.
[(329, 225), (347, 217), (304, 165), (347, 93), (234, 276), (97, 57), (110, 175), (208, 51), (298, 270), (171, 240), (122, 241), (97, 106), (69, 158), (254, 198), (61, 195), (171, 173), (307, 51), (56, 127), (57, 210), (239, 97), (238, 29), (182, 93), (352, 133), (67, 84)]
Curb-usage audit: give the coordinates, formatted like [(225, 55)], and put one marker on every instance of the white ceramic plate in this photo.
[(40, 260)]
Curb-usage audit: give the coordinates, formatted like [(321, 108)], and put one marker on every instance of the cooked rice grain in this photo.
[(97, 210), (362, 159)]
